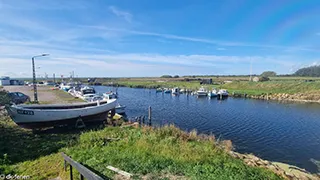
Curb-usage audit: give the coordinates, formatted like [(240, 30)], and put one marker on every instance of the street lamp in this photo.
[(34, 78)]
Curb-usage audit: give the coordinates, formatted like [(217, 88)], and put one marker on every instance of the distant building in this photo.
[(206, 81), (6, 81)]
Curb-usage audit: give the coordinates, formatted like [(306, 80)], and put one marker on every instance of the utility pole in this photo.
[(35, 92)]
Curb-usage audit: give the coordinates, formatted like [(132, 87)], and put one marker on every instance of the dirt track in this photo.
[(45, 94)]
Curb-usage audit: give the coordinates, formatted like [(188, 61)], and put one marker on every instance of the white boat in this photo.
[(212, 93), (85, 93), (66, 86), (39, 116), (222, 93), (183, 90), (176, 91), (159, 90), (167, 90), (110, 95), (202, 92), (120, 109), (74, 91)]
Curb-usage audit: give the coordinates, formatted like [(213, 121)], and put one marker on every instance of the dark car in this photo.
[(18, 97)]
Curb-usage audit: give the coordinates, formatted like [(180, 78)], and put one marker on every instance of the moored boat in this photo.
[(222, 93), (120, 109), (167, 90), (39, 116), (212, 93), (176, 91), (202, 92), (159, 90)]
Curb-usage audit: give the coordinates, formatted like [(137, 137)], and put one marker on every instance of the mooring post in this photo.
[(143, 120), (149, 117), (140, 121)]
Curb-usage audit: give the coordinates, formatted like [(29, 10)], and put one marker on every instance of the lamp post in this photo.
[(34, 78)]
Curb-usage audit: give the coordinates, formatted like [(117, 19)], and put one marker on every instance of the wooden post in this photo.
[(143, 120), (149, 117), (81, 177), (71, 175), (65, 165)]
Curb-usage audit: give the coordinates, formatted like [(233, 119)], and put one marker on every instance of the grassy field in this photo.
[(161, 153), (289, 87)]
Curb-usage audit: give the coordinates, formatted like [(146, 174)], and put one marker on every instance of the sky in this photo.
[(135, 38)]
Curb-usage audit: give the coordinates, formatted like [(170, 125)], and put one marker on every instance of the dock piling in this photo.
[(149, 115)]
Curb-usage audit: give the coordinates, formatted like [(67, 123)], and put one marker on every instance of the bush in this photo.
[(176, 76), (4, 98), (268, 74), (166, 76), (313, 71), (263, 78)]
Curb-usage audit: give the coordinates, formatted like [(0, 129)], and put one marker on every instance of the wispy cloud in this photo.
[(202, 40), (120, 13), (221, 49)]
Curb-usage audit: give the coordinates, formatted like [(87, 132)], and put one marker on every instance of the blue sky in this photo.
[(122, 38)]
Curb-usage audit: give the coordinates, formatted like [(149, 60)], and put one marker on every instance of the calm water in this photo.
[(284, 132)]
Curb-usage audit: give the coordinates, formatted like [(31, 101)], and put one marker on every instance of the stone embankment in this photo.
[(299, 97), (285, 170)]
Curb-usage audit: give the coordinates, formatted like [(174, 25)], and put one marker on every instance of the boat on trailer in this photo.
[(41, 116)]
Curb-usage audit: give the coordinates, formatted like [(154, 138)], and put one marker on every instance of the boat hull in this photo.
[(46, 116), (65, 122)]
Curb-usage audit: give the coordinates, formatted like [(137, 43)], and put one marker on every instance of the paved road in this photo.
[(45, 94)]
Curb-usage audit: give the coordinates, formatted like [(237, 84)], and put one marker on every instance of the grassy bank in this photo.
[(250, 88), (163, 153), (289, 87)]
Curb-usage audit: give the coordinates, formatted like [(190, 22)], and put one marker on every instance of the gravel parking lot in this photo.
[(45, 94)]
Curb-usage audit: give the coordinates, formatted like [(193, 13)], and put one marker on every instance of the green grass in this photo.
[(166, 150), (19, 145), (289, 87), (145, 152)]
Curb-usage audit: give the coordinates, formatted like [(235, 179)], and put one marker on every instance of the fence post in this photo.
[(65, 165), (149, 117), (71, 175)]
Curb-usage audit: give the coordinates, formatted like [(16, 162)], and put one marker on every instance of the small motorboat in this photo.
[(222, 93), (66, 86), (212, 93), (120, 109), (167, 90), (40, 116), (159, 90), (202, 92), (176, 91)]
